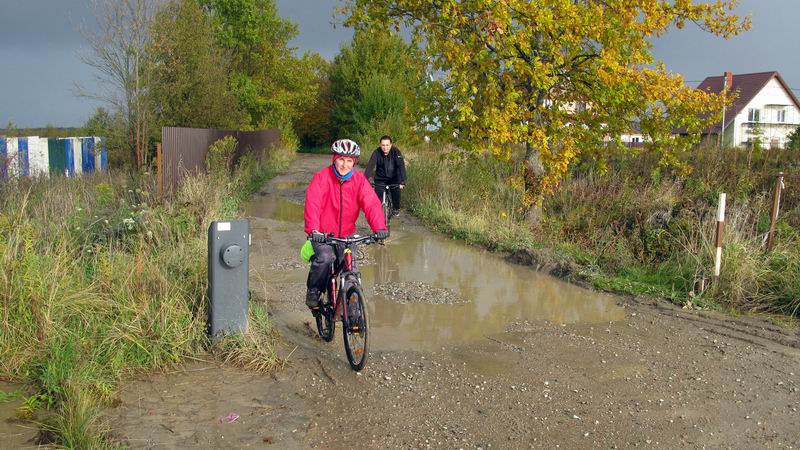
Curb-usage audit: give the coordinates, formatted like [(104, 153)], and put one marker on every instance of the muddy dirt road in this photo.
[(470, 351)]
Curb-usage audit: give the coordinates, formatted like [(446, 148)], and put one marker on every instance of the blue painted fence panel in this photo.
[(3, 157), (87, 154), (22, 157), (70, 152)]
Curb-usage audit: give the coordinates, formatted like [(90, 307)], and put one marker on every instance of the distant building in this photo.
[(765, 110), (633, 137)]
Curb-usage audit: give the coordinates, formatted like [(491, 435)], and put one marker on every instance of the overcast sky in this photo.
[(39, 47)]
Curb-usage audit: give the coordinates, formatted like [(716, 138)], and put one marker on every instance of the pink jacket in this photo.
[(332, 206)]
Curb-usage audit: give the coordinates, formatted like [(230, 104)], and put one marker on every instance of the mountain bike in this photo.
[(386, 203), (344, 289)]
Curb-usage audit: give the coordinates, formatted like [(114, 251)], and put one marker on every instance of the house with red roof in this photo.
[(764, 110)]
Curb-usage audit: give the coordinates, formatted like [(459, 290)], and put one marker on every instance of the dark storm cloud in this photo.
[(37, 24), (39, 47), (315, 19), (769, 45)]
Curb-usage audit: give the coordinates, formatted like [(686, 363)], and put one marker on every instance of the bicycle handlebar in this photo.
[(330, 240), (387, 186)]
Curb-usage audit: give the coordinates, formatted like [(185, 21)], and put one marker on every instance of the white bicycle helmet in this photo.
[(346, 147)]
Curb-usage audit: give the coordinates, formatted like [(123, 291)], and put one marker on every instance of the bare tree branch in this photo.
[(117, 46)]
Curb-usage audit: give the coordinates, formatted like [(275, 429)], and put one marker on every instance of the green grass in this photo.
[(255, 350), (100, 281)]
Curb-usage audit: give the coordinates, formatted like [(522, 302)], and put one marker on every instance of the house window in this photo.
[(636, 139), (753, 115), (781, 116)]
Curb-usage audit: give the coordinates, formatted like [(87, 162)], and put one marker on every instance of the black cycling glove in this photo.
[(317, 237), (381, 234)]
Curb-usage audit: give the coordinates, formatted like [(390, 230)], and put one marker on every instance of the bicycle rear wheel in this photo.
[(356, 329), (326, 327)]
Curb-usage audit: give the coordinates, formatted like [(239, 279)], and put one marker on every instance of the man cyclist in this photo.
[(390, 168), (334, 198)]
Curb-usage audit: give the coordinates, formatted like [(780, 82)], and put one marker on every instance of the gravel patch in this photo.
[(287, 265), (418, 292)]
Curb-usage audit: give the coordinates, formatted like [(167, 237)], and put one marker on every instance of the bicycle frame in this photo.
[(336, 283), (384, 200), (339, 274)]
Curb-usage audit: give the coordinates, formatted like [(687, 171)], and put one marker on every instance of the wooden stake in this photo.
[(720, 234), (773, 217)]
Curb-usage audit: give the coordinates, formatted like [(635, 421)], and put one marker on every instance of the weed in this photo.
[(99, 281)]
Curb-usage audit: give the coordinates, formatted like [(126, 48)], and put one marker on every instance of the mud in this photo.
[(15, 433), (533, 362)]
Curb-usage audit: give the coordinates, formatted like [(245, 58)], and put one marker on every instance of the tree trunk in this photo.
[(534, 168), (534, 171)]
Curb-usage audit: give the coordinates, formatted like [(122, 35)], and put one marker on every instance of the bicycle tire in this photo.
[(387, 213), (356, 333), (326, 327)]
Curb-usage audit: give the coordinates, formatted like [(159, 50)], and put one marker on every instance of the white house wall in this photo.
[(632, 138), (772, 94)]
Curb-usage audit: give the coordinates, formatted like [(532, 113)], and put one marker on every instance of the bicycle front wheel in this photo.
[(356, 328), (387, 212)]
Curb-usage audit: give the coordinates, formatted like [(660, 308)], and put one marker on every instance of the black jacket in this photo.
[(389, 168)]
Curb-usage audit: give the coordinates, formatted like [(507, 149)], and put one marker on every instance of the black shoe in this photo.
[(312, 298), (395, 212)]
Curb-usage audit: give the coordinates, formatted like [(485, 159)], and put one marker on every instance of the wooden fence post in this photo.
[(720, 235), (773, 217)]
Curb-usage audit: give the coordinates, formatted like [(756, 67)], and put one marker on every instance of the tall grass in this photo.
[(473, 199), (632, 225), (100, 281)]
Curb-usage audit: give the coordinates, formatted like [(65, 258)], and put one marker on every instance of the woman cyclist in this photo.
[(334, 198)]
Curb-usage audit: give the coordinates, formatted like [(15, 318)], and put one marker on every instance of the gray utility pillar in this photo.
[(228, 283)]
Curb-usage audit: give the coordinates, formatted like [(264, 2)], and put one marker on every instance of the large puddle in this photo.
[(494, 292), (497, 293)]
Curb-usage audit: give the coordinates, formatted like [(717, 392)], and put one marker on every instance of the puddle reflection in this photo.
[(275, 207)]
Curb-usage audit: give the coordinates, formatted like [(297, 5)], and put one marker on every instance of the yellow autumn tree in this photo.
[(560, 76)]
